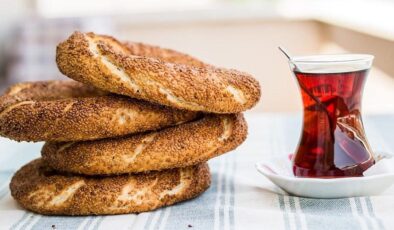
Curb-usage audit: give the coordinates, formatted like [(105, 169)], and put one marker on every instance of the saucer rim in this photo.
[(317, 180)]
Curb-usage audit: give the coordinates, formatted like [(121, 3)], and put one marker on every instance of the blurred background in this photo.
[(240, 34)]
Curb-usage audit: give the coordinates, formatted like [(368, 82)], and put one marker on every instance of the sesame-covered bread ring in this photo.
[(41, 190), (71, 111), (106, 63), (179, 146)]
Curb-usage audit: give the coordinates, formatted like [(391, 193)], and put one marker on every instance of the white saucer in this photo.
[(376, 179)]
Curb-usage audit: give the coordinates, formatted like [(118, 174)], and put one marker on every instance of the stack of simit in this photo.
[(131, 134)]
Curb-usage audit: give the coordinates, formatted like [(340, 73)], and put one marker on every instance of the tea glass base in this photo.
[(350, 171)]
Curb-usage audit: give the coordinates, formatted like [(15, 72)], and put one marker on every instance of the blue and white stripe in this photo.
[(218, 207)]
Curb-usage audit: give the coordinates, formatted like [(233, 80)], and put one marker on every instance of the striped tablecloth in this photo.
[(239, 197)]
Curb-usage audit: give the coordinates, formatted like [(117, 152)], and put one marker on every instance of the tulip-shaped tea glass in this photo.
[(333, 142)]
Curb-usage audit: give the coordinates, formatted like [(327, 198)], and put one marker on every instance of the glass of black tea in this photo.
[(333, 142)]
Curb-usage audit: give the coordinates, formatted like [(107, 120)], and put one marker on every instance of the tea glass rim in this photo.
[(331, 58), (331, 63)]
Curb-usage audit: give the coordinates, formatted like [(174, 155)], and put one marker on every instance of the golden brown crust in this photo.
[(184, 145), (167, 55), (110, 65), (71, 111), (38, 189)]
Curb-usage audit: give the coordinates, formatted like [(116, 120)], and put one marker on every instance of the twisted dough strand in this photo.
[(39, 189), (179, 146), (110, 65), (71, 111)]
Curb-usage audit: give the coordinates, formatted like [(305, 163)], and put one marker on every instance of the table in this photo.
[(239, 197)]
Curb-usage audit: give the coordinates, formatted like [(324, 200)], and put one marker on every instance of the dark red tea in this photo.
[(333, 142)]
